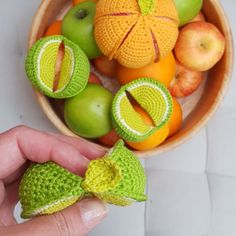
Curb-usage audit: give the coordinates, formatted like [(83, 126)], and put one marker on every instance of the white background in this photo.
[(192, 189)]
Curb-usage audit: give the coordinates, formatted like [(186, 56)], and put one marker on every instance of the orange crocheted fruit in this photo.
[(136, 32), (155, 139), (163, 71)]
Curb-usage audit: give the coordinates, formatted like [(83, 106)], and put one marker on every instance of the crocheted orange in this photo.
[(136, 32)]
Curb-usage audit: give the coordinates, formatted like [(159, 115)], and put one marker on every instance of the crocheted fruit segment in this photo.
[(153, 97), (118, 179), (57, 67), (48, 188), (136, 33)]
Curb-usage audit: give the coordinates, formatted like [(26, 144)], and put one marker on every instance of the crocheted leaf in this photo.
[(147, 6)]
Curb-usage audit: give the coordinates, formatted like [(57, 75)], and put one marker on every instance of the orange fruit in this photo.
[(54, 28), (109, 139), (105, 66), (75, 2), (94, 79), (163, 71), (155, 139), (176, 118)]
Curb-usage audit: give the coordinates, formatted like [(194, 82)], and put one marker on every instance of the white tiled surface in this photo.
[(192, 189)]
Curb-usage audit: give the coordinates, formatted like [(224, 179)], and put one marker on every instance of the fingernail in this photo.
[(92, 212)]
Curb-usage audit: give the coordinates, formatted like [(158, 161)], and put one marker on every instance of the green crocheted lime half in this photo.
[(42, 64), (153, 97), (47, 188), (118, 178)]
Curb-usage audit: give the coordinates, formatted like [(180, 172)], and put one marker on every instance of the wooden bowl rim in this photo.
[(56, 121)]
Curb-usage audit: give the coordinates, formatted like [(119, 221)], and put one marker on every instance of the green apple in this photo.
[(89, 113), (187, 9), (78, 26)]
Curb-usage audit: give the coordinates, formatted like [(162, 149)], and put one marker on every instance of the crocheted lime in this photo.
[(47, 188), (153, 97), (118, 178), (136, 32), (57, 67)]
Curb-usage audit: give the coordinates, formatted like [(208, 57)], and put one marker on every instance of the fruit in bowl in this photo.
[(200, 46), (136, 33), (78, 26), (88, 113), (197, 115), (187, 10)]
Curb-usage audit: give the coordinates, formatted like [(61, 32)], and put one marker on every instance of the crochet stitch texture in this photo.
[(118, 178), (41, 62), (136, 33), (153, 97)]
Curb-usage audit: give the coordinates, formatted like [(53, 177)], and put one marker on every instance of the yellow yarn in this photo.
[(136, 33)]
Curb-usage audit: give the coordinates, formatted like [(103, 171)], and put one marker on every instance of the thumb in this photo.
[(77, 219)]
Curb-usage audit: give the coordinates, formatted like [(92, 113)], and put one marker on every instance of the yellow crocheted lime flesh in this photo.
[(101, 176), (136, 32), (118, 179), (132, 119), (57, 206), (156, 102), (66, 69), (153, 97), (47, 62)]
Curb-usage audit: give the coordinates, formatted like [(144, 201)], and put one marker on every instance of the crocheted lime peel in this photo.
[(146, 6), (118, 178), (48, 188), (42, 64), (153, 97)]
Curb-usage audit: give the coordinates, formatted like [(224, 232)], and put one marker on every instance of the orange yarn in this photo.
[(136, 33)]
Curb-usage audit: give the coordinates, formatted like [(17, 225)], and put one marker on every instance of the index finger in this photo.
[(21, 144)]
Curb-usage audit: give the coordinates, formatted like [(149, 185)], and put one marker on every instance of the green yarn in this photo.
[(118, 178), (41, 62), (146, 6), (44, 185), (153, 97)]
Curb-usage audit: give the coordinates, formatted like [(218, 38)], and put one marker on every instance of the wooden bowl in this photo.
[(211, 98)]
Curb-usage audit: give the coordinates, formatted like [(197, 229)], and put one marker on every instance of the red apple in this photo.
[(110, 139), (199, 17), (94, 79), (200, 46), (186, 81), (105, 66)]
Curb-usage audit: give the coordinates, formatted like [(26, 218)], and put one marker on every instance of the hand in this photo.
[(21, 145)]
